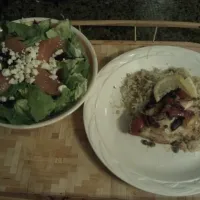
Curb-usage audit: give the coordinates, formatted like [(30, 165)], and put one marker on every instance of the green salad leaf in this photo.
[(21, 106), (29, 34), (15, 90), (5, 113), (73, 47), (64, 100), (22, 109), (83, 68), (3, 120), (62, 29), (21, 30), (45, 25), (41, 104), (78, 85), (13, 116), (74, 75), (73, 66), (69, 67)]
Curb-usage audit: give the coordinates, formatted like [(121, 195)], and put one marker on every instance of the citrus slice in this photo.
[(164, 86), (173, 82), (187, 85)]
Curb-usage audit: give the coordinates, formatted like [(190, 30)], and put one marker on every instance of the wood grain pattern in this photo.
[(138, 23), (58, 159)]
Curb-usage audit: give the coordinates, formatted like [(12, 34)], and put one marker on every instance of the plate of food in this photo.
[(142, 119), (47, 68)]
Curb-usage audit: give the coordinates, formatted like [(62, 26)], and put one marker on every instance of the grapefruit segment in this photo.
[(46, 84), (15, 44), (48, 47)]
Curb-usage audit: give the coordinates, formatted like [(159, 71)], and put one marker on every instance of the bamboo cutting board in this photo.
[(58, 159)]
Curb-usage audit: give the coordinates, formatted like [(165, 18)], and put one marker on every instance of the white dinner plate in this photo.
[(157, 170)]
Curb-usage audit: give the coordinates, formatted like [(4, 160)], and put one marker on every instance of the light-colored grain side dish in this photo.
[(165, 107)]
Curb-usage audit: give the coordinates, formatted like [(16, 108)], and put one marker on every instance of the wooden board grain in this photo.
[(138, 23), (58, 159)]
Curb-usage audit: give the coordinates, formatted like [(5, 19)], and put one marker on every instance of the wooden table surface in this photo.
[(58, 159)]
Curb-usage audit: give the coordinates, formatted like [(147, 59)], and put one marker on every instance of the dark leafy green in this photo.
[(73, 66), (13, 117), (15, 90), (63, 101), (22, 108), (29, 34), (78, 85), (73, 47), (63, 30), (41, 104), (45, 25)]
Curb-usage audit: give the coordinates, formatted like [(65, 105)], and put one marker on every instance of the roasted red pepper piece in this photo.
[(136, 125), (182, 95), (175, 112)]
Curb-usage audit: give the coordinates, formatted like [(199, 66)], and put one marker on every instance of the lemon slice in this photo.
[(164, 86), (188, 86), (173, 82)]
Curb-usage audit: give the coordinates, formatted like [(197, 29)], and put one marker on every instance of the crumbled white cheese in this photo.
[(10, 61), (29, 66), (3, 99), (17, 76), (58, 52), (37, 62), (54, 71), (46, 66), (3, 44), (18, 67), (6, 72), (17, 54), (27, 76), (13, 58), (30, 80), (4, 50), (21, 79), (14, 71), (27, 70), (52, 63), (33, 54), (22, 67), (12, 53), (11, 98), (37, 49), (53, 77), (19, 61), (28, 58), (35, 72), (13, 81), (61, 87)]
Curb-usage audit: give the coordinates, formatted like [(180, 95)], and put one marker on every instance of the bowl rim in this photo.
[(80, 101)]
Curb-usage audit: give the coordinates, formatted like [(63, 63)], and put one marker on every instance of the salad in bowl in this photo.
[(47, 67)]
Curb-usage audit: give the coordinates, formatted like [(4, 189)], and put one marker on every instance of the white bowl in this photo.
[(93, 72)]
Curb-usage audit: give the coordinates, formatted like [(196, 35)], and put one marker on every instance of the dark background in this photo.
[(173, 10)]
